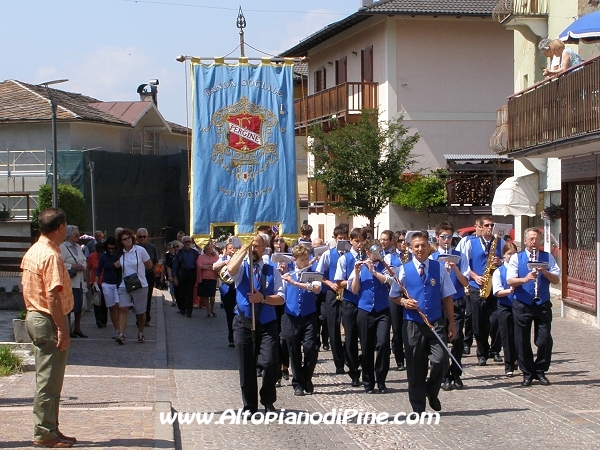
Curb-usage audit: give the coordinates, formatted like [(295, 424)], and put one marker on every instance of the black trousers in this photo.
[(263, 351), (374, 331), (179, 299), (468, 323), (284, 352), (186, 293), (150, 280), (396, 318), (480, 314), (541, 318), (333, 312), (229, 303), (420, 347), (322, 331), (495, 336), (507, 333), (459, 341), (301, 336), (349, 314)]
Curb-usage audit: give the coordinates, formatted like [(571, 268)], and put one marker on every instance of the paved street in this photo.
[(113, 396)]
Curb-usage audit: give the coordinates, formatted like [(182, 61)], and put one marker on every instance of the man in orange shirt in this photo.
[(48, 299)]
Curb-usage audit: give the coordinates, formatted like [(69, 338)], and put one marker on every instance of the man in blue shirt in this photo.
[(531, 304), (430, 290)]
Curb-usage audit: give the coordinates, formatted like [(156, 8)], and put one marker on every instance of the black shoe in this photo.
[(231, 344), (458, 384), (299, 392), (434, 403), (481, 361), (382, 389), (447, 385), (340, 371), (498, 358), (269, 407), (180, 312), (278, 384), (73, 335), (285, 373), (400, 367), (259, 372), (526, 382), (247, 408), (543, 380), (466, 350), (326, 347), (99, 323), (370, 390), (355, 383)]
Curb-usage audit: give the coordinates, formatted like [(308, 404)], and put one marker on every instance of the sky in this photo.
[(107, 48)]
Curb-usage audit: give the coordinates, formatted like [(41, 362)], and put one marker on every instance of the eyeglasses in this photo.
[(142, 236), (126, 238), (445, 236), (401, 241), (488, 225), (187, 242), (279, 240)]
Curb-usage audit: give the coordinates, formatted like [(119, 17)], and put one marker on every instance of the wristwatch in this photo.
[(264, 300)]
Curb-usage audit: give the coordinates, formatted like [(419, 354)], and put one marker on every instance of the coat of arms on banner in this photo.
[(244, 144)]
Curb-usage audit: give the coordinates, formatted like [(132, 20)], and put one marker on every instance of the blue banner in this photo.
[(243, 155)]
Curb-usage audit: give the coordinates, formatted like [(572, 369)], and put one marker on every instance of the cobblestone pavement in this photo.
[(113, 396)]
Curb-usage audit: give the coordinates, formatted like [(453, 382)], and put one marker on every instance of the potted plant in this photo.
[(5, 214), (19, 328), (552, 212)]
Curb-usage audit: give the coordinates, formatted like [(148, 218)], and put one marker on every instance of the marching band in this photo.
[(399, 285)]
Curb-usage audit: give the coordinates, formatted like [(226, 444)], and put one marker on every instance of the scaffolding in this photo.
[(21, 174)]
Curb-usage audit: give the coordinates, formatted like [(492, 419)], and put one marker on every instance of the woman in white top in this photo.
[(132, 260)]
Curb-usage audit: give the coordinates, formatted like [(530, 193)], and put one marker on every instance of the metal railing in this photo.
[(343, 101), (507, 8), (554, 109)]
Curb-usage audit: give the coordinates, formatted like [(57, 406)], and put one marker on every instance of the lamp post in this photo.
[(53, 106)]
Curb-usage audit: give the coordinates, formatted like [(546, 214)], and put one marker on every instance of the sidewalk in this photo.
[(113, 396), (111, 393)]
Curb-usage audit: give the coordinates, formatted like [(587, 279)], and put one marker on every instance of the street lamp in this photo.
[(53, 106)]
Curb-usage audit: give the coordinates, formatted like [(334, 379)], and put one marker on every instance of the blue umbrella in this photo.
[(586, 28)]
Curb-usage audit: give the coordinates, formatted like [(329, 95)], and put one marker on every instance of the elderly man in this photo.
[(142, 241), (75, 261), (184, 275), (48, 299), (90, 248), (531, 305), (258, 289)]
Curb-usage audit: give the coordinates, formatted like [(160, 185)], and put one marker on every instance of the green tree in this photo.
[(363, 162), (70, 200), (423, 192)]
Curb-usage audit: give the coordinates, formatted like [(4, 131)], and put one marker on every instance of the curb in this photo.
[(164, 436)]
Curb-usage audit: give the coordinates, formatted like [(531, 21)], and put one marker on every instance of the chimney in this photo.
[(364, 3), (148, 92)]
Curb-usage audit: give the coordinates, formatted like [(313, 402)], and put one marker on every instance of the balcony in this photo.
[(552, 113), (529, 17), (320, 198), (343, 101)]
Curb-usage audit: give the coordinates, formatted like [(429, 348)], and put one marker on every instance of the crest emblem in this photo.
[(244, 134), (432, 282)]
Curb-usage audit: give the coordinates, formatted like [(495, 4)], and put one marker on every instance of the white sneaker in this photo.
[(116, 334)]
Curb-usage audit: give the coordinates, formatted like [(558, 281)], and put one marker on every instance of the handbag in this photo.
[(96, 296), (132, 282), (72, 272)]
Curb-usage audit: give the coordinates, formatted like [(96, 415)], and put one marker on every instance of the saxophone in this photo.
[(486, 288)]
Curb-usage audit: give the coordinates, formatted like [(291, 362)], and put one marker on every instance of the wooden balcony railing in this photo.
[(345, 101), (320, 198), (557, 108), (507, 8)]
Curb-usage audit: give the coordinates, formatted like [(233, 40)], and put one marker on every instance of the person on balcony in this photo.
[(568, 57)]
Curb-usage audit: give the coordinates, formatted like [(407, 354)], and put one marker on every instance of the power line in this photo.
[(153, 2)]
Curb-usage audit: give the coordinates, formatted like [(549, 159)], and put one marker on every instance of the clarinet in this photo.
[(536, 297)]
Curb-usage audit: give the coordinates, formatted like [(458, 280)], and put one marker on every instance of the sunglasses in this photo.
[(126, 238), (142, 237), (488, 225), (445, 236), (401, 241), (187, 242)]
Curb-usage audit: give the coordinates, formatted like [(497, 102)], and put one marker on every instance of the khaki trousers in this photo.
[(50, 364)]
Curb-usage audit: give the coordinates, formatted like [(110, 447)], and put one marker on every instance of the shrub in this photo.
[(16, 288), (70, 200), (2, 289), (9, 362), (22, 314)]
